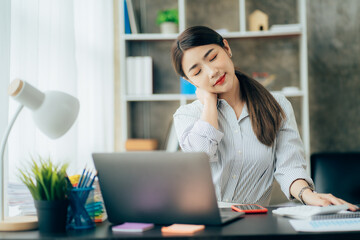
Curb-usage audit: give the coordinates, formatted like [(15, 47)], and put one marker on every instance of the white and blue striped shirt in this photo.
[(243, 168)]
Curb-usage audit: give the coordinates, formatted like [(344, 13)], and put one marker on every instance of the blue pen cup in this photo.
[(79, 216)]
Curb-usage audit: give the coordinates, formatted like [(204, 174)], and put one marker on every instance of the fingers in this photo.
[(329, 199)]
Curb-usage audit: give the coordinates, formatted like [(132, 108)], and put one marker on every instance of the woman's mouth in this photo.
[(220, 81)]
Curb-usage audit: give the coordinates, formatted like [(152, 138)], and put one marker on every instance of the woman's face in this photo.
[(209, 67)]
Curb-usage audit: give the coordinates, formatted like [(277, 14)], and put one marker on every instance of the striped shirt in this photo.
[(243, 169)]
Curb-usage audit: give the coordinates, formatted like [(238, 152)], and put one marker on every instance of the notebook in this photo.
[(159, 187)]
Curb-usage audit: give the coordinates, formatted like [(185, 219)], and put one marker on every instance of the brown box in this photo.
[(141, 144)]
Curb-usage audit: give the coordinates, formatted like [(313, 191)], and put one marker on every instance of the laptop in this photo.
[(159, 187)]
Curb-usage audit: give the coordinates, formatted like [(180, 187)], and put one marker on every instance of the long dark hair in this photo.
[(265, 113)]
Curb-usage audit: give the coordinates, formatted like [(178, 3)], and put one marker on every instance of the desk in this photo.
[(261, 226)]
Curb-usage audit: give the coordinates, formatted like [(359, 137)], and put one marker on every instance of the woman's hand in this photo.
[(206, 97), (321, 199)]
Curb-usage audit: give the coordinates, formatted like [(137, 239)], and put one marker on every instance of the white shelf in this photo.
[(247, 34), (182, 97)]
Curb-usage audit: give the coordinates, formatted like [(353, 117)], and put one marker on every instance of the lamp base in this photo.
[(18, 223)]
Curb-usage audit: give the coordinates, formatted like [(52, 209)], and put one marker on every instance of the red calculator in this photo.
[(249, 208)]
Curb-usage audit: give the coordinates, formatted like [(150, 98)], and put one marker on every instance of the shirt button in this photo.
[(234, 176)]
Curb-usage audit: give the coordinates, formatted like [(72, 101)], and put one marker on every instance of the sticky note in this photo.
[(183, 228), (132, 227)]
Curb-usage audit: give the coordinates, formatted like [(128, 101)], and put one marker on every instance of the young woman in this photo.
[(249, 134)]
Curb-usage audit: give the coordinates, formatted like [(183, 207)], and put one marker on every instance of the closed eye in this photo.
[(198, 72), (213, 58)]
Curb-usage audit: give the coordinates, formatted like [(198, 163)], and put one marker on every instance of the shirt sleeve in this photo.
[(289, 152), (194, 134)]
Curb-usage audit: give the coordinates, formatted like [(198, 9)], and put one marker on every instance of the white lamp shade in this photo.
[(53, 112), (56, 114)]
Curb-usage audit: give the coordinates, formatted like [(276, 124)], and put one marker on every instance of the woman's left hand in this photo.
[(321, 199)]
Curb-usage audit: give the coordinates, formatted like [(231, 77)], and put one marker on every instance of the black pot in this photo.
[(52, 215)]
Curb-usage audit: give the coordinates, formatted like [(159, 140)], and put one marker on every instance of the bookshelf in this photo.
[(148, 116)]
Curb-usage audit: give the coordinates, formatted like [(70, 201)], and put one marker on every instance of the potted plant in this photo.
[(48, 186), (168, 20)]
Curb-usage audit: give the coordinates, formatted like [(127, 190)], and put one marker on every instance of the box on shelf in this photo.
[(140, 144)]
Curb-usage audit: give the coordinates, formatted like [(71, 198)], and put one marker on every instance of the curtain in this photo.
[(67, 46)]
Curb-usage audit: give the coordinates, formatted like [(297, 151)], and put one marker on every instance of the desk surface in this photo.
[(257, 226)]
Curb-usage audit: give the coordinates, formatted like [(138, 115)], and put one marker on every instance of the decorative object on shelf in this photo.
[(186, 87), (168, 20), (264, 78), (53, 113), (48, 186), (140, 144), (139, 75), (258, 21)]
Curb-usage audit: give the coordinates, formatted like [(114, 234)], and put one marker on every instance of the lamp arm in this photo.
[(2, 153)]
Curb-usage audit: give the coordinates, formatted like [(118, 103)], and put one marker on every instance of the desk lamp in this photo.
[(53, 113)]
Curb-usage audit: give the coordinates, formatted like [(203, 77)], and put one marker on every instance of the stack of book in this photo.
[(20, 200), (139, 78)]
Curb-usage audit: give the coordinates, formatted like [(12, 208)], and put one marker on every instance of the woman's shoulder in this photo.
[(280, 98), (192, 109), (283, 102)]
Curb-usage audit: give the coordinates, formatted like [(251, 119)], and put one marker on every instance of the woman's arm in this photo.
[(210, 113), (197, 126)]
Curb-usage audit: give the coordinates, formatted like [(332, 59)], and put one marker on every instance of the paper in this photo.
[(333, 225)]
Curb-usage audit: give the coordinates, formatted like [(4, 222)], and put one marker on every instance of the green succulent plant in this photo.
[(45, 180), (168, 15)]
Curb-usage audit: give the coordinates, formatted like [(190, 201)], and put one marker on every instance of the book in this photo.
[(132, 227), (182, 228), (147, 78), (139, 75), (126, 19), (186, 87), (131, 14), (130, 75)]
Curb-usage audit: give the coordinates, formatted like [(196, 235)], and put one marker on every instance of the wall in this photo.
[(334, 69)]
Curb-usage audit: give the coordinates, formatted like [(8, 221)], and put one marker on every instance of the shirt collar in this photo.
[(221, 103)]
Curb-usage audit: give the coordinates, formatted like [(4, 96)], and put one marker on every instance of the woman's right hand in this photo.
[(206, 97)]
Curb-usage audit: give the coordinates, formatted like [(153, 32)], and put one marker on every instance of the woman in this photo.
[(249, 134)]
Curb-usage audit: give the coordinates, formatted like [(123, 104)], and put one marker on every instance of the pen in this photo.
[(81, 177), (92, 181)]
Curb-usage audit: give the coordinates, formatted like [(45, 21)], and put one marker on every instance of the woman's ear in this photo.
[(227, 47)]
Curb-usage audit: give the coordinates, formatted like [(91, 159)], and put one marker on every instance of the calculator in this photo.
[(249, 208)]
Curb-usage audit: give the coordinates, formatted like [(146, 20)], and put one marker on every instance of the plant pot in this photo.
[(168, 27), (52, 215)]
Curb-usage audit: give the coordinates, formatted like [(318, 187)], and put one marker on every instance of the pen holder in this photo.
[(79, 217)]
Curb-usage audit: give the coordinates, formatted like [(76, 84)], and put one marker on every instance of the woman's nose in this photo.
[(212, 71)]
